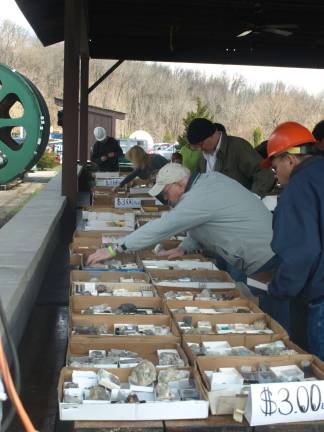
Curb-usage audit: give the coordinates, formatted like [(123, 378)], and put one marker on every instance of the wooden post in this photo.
[(84, 98), (70, 101), (84, 145)]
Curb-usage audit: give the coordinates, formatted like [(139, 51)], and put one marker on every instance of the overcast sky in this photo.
[(310, 79)]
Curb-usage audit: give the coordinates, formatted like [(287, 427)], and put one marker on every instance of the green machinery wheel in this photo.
[(18, 156)]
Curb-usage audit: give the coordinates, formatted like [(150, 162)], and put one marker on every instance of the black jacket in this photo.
[(102, 148)]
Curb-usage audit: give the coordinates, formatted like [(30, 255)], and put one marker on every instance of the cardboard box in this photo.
[(79, 303), (172, 305), (109, 321), (223, 400), (183, 264), (103, 237), (146, 350), (248, 341), (209, 278), (107, 220), (157, 410), (112, 279), (233, 292), (245, 318), (106, 174), (79, 256)]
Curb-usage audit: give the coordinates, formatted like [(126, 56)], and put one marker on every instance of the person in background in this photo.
[(298, 229), (220, 216), (318, 133), (190, 157), (176, 158), (106, 151), (230, 155), (145, 165)]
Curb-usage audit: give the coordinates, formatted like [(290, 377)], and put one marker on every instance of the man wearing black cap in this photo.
[(230, 155)]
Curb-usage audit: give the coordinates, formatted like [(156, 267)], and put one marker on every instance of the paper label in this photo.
[(285, 402), (127, 203)]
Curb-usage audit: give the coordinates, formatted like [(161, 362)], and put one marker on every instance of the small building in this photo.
[(99, 117)]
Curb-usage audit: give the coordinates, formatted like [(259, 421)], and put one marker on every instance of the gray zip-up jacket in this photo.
[(221, 217)]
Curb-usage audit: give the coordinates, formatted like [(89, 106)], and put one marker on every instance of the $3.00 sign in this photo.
[(285, 402)]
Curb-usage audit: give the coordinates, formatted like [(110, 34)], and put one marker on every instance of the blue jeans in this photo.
[(315, 328)]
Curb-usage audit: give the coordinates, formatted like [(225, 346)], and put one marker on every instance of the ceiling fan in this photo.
[(278, 29)]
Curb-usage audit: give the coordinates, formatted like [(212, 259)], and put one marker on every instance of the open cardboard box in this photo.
[(79, 256), (248, 341), (172, 305), (155, 410), (163, 290), (183, 264), (146, 350), (110, 320), (234, 318), (79, 303), (102, 237), (220, 400), (112, 279), (209, 278)]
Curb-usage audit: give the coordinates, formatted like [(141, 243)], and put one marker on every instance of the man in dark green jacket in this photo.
[(230, 155)]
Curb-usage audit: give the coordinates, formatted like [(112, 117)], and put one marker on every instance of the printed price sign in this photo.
[(128, 203), (285, 402)]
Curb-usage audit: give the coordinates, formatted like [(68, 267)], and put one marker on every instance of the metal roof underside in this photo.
[(202, 31)]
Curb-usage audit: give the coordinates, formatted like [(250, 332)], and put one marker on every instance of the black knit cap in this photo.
[(200, 129)]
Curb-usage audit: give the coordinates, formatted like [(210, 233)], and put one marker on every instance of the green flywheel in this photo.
[(18, 155)]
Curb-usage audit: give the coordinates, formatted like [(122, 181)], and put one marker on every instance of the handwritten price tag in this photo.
[(128, 203), (285, 402)]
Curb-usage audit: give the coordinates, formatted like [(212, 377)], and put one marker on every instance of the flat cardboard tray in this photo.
[(80, 302), (112, 278), (220, 400), (244, 318), (155, 410), (163, 290), (146, 350), (215, 278), (248, 341), (207, 304), (110, 320)]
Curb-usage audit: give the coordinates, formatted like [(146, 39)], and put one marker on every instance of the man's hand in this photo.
[(171, 253), (103, 158), (115, 189), (111, 154), (99, 255)]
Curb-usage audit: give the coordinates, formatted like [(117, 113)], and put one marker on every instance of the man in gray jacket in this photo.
[(221, 217)]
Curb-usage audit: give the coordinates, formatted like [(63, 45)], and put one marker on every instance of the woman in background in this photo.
[(145, 165)]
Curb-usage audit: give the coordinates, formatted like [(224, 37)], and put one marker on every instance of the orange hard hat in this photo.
[(284, 137)]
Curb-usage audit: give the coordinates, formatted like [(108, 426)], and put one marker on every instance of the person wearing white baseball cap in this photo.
[(220, 216), (106, 151)]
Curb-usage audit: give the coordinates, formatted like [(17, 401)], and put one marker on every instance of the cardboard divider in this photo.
[(208, 277), (163, 290), (146, 350), (150, 255), (109, 321), (248, 341), (157, 410), (234, 318), (176, 304)]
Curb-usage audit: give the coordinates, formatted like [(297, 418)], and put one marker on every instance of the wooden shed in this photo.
[(99, 117)]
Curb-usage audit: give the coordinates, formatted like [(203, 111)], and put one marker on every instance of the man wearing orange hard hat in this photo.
[(298, 226)]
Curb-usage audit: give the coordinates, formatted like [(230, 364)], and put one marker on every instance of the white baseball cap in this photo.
[(99, 133), (170, 173)]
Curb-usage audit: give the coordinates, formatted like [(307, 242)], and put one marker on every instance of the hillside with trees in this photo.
[(156, 98)]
